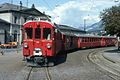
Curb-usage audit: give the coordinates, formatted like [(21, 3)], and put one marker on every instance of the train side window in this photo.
[(46, 33), (93, 39), (28, 33), (37, 33), (82, 39), (88, 39)]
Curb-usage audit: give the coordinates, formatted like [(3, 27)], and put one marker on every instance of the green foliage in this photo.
[(111, 20)]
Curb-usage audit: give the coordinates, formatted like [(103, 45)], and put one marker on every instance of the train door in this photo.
[(37, 41)]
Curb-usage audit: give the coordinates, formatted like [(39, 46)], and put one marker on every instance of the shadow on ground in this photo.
[(113, 51), (62, 56)]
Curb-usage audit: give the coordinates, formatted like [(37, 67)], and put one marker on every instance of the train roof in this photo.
[(70, 31)]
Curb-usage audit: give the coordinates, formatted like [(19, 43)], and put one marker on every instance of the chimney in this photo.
[(43, 12), (33, 6), (20, 5)]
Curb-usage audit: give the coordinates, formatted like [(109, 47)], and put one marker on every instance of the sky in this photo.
[(70, 12)]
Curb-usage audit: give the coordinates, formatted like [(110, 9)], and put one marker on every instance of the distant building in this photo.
[(12, 17), (70, 30)]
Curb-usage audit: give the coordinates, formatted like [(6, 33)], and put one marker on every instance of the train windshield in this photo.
[(46, 33), (28, 33), (37, 33)]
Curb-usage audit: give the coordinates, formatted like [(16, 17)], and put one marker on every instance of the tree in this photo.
[(111, 20)]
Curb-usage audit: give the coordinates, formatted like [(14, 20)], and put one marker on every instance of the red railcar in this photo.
[(42, 41)]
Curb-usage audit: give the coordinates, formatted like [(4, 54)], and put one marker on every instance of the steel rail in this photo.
[(48, 76), (91, 57), (28, 77)]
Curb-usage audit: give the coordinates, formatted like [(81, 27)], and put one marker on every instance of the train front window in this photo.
[(28, 33), (37, 33), (47, 33)]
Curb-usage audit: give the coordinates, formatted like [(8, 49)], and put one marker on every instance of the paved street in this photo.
[(73, 66), (78, 67)]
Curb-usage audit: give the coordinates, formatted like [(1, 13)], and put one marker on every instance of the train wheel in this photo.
[(51, 61), (45, 63), (48, 62)]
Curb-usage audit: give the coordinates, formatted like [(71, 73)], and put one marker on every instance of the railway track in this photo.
[(44, 71), (28, 77), (48, 76), (93, 58)]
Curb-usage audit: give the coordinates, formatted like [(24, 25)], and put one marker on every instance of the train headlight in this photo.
[(25, 45), (48, 46)]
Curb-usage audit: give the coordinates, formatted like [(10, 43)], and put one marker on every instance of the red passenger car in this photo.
[(42, 41)]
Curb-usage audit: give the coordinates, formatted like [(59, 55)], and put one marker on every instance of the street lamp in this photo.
[(85, 21), (84, 24)]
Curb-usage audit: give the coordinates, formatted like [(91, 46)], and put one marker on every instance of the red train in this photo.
[(42, 41)]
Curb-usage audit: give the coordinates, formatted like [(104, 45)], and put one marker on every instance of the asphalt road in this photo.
[(73, 66)]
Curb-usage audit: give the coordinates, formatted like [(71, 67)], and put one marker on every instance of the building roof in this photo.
[(3, 21), (7, 7), (67, 30), (32, 11)]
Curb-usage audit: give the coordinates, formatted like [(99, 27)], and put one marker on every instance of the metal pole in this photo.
[(11, 26), (84, 24), (11, 1), (20, 23), (20, 31), (27, 3)]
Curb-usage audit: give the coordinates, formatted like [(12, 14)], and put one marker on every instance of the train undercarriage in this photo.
[(39, 61)]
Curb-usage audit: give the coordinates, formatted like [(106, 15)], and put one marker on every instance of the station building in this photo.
[(12, 17)]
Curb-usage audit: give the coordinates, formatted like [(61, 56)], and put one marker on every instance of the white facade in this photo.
[(6, 17)]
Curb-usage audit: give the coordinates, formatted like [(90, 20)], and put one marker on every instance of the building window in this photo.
[(15, 19)]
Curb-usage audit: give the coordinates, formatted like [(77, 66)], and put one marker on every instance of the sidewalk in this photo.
[(112, 55)]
